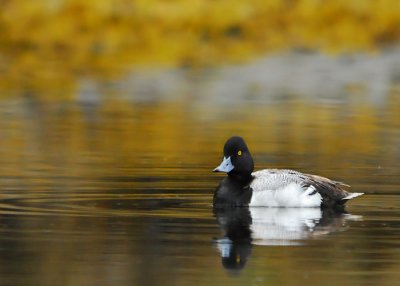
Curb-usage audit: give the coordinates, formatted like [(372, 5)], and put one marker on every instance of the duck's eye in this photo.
[(239, 153)]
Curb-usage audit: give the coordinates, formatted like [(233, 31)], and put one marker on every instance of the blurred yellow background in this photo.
[(50, 43)]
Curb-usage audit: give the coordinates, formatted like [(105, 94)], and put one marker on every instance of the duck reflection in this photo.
[(244, 227), (235, 246)]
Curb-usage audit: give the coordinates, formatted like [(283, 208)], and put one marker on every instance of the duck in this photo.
[(244, 187)]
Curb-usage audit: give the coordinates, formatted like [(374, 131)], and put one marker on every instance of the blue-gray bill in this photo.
[(226, 166)]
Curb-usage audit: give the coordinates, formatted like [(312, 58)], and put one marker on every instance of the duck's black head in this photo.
[(237, 161)]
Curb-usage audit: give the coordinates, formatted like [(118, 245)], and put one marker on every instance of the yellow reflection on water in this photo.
[(45, 144)]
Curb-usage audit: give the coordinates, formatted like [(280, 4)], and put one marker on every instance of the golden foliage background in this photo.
[(51, 42)]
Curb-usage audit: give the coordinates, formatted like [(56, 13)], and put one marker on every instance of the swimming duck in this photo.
[(273, 187)]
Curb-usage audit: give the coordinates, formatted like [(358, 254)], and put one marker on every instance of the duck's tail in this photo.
[(352, 196)]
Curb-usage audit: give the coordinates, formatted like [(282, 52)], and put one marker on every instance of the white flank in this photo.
[(291, 195), (352, 196)]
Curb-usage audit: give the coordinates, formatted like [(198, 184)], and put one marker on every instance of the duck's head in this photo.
[(237, 161)]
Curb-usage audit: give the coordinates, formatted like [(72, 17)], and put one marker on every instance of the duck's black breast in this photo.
[(232, 193)]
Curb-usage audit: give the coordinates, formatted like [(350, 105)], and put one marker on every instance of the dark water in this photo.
[(118, 193)]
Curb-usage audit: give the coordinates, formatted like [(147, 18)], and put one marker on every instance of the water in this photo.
[(114, 192)]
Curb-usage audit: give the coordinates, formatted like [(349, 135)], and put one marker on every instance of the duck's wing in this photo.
[(273, 179), (327, 187)]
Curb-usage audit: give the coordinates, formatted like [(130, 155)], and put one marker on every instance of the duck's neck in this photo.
[(242, 178)]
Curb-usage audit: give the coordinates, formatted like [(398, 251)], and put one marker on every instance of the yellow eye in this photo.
[(240, 153)]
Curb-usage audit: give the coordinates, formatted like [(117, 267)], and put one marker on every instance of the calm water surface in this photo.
[(119, 193)]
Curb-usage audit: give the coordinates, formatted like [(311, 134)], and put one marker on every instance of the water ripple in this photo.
[(191, 205)]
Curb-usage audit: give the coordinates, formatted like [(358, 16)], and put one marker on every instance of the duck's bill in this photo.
[(226, 166)]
